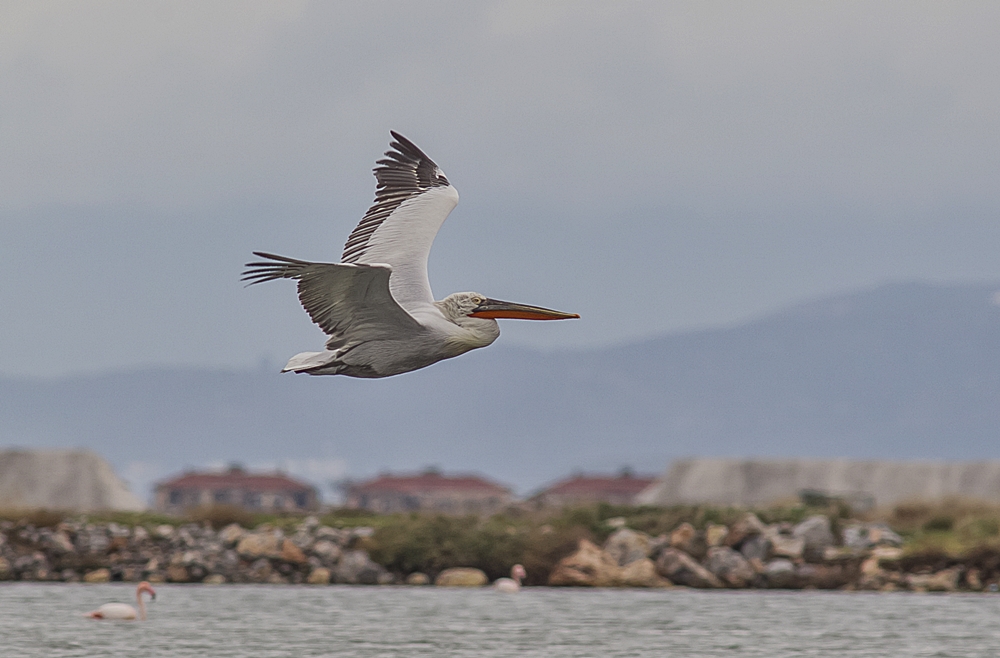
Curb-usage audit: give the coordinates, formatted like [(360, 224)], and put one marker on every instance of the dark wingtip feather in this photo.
[(404, 172), (406, 147), (276, 267)]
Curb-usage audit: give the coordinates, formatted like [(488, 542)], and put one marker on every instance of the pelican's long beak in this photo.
[(492, 308)]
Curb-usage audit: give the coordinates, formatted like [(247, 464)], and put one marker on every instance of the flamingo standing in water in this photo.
[(124, 610), (512, 584)]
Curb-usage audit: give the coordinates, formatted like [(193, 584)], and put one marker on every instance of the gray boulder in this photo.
[(627, 546), (789, 546), (883, 535), (823, 576), (729, 566), (689, 540), (855, 537), (93, 541), (757, 547), (302, 539), (260, 571), (228, 562), (780, 574), (657, 544), (59, 543), (863, 536), (748, 526), (356, 568), (327, 551), (678, 567), (817, 535), (163, 531), (339, 537)]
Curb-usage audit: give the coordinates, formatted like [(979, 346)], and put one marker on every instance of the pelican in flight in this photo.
[(376, 304)]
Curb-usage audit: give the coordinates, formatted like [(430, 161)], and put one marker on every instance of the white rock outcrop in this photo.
[(76, 480)]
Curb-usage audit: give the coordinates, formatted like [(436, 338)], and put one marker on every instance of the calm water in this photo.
[(44, 620)]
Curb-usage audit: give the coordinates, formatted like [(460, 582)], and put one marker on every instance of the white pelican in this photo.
[(376, 305), (124, 610), (512, 584)]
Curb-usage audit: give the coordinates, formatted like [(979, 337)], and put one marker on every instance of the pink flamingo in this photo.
[(512, 584), (124, 610)]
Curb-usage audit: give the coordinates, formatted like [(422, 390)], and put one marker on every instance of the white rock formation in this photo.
[(77, 480)]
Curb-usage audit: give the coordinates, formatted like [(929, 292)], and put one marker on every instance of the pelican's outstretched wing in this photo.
[(350, 302), (412, 199)]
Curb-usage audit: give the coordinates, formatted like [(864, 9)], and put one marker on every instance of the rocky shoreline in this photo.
[(812, 554), (751, 554), (190, 553)]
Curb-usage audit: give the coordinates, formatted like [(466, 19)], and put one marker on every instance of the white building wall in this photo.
[(748, 482)]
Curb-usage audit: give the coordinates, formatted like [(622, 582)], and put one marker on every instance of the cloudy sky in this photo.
[(653, 166)]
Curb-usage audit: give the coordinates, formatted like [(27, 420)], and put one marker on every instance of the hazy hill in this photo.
[(901, 371)]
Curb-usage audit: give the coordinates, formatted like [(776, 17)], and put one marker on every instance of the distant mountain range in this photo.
[(900, 371)]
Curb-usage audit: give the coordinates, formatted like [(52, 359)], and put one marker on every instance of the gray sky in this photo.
[(653, 166)]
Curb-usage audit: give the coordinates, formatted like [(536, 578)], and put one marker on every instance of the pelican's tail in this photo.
[(312, 361)]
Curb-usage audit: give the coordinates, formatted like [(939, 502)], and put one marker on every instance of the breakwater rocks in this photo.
[(750, 553), (101, 552)]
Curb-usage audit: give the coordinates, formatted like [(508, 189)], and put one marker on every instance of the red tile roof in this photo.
[(235, 478), (622, 485), (425, 482)]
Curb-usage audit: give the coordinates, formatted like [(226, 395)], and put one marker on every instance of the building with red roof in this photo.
[(429, 491), (583, 489), (256, 492)]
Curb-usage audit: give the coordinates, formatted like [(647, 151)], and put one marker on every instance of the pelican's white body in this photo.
[(437, 338)]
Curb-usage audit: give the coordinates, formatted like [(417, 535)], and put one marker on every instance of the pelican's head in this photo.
[(518, 573), (474, 305), (478, 315)]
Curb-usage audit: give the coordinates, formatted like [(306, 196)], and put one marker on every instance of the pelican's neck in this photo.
[(142, 605), (463, 333), (473, 333)]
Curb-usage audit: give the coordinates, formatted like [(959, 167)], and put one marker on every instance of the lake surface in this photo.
[(45, 620)]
